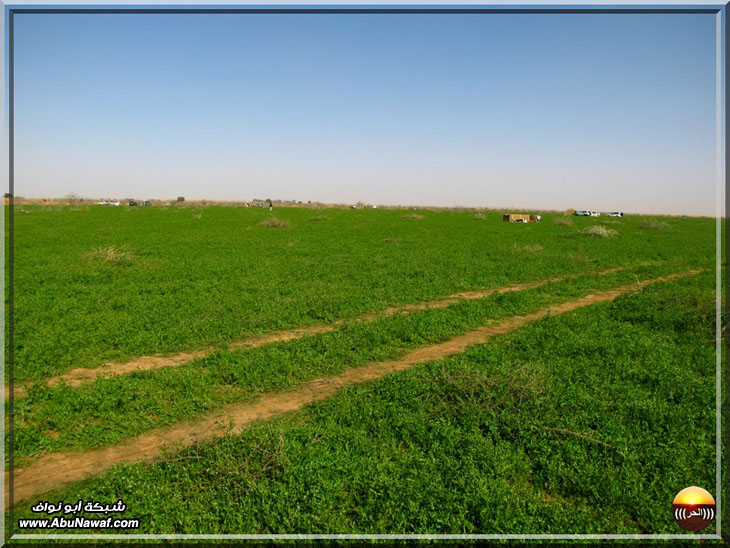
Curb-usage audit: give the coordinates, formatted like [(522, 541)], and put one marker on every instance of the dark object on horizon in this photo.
[(615, 214), (181, 198), (132, 203)]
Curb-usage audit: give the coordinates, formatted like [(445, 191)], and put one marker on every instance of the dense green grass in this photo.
[(97, 283), (586, 422), (113, 409)]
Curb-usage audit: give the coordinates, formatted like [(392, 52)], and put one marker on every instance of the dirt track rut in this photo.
[(55, 469), (79, 376)]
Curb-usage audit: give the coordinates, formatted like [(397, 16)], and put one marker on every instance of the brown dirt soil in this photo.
[(79, 376), (55, 469)]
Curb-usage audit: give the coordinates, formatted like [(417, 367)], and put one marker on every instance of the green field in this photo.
[(559, 426)]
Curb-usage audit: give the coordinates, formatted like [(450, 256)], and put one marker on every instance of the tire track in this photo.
[(56, 469), (80, 376)]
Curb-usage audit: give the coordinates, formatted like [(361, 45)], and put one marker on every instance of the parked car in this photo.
[(582, 213), (615, 214), (103, 202), (132, 203)]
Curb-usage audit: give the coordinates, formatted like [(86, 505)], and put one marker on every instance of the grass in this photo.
[(275, 223), (529, 248), (111, 254), (194, 283), (599, 231), (141, 401), (653, 224), (560, 427)]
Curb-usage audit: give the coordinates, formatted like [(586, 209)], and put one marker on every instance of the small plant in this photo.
[(480, 216), (275, 223), (653, 224), (564, 221), (529, 248), (111, 254), (598, 231)]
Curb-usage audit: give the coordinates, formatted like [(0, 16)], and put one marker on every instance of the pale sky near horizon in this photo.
[(545, 111)]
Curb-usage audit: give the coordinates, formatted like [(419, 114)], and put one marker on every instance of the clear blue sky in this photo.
[(527, 110)]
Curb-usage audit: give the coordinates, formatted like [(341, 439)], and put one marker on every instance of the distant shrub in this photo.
[(275, 223), (529, 248), (565, 221), (111, 254), (598, 231), (653, 224), (480, 216)]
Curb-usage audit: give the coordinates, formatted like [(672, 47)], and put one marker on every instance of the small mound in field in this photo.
[(480, 216), (565, 221), (111, 254), (413, 216), (275, 223), (653, 224), (598, 231)]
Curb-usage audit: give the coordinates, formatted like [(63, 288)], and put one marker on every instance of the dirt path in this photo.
[(56, 469), (79, 376)]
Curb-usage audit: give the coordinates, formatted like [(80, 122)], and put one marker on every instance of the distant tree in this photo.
[(181, 198), (73, 199), (570, 211), (8, 195)]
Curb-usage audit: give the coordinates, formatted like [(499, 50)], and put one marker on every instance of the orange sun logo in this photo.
[(694, 508)]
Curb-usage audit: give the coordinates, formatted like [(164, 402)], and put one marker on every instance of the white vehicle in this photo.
[(582, 213), (103, 202), (615, 214), (595, 213), (114, 203)]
